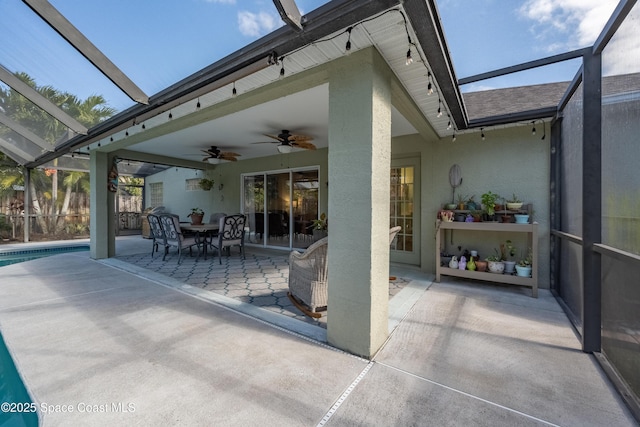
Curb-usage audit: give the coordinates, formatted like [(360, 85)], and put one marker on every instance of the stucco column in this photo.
[(359, 162), (102, 207)]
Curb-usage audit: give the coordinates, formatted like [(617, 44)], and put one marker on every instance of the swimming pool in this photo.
[(13, 394), (16, 256)]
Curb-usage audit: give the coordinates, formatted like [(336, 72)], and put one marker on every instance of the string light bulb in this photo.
[(170, 115), (143, 126), (439, 108), (347, 47), (281, 68), (234, 92), (453, 137), (544, 131), (409, 60), (430, 85), (482, 133), (533, 129), (198, 104)]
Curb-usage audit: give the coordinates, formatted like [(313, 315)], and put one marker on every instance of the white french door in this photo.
[(405, 210)]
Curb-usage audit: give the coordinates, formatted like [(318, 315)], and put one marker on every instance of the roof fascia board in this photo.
[(42, 102), (617, 18), (425, 20), (75, 38), (17, 127), (320, 23), (521, 116), (524, 66)]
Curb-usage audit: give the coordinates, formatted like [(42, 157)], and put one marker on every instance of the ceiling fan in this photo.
[(214, 155), (287, 141)]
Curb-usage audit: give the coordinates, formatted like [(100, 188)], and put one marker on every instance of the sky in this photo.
[(158, 42)]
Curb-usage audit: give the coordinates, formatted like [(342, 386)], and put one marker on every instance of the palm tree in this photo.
[(89, 112)]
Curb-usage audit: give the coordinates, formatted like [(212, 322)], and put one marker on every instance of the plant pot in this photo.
[(505, 218), (514, 206), (196, 219), (522, 219), (319, 234), (460, 217), (496, 267), (523, 271), (481, 265), (451, 206), (509, 267)]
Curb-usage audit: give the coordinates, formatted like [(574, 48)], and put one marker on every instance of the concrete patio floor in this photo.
[(85, 332)]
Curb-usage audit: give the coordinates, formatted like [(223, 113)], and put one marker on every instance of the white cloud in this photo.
[(257, 24), (564, 25), (568, 24)]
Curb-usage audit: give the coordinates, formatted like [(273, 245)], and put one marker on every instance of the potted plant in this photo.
[(524, 266), (514, 203), (196, 216), (471, 203), (508, 251), (495, 263), (319, 227), (489, 203), (206, 184), (461, 201)]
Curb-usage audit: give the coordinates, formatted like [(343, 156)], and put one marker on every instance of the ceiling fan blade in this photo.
[(303, 144), (277, 138), (229, 154), (228, 158), (300, 138), (267, 142)]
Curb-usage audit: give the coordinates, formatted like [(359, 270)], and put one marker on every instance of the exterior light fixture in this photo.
[(285, 148), (409, 60)]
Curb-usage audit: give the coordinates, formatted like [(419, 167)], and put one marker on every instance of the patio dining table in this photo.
[(204, 233)]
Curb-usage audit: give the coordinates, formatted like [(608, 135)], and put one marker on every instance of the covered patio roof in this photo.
[(172, 126)]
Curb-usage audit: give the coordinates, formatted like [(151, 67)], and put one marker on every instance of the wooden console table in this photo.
[(491, 227)]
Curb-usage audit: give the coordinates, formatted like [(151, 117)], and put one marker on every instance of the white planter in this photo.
[(496, 267), (523, 271)]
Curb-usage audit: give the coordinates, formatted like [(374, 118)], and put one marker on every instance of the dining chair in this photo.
[(173, 236), (155, 232), (230, 233)]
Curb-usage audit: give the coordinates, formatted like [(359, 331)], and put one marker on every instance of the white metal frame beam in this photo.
[(71, 34), (39, 100)]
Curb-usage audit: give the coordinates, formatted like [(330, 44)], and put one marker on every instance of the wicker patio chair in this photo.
[(308, 285)]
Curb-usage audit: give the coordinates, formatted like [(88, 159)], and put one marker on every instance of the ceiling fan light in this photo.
[(285, 148), (213, 160)]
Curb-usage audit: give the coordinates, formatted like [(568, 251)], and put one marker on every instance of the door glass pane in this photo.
[(278, 214), (305, 206), (254, 207), (402, 198)]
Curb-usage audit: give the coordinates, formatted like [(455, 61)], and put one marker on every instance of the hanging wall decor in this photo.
[(112, 181)]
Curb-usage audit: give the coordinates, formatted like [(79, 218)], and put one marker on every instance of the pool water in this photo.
[(14, 257), (12, 390)]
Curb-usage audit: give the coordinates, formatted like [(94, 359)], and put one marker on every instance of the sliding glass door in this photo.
[(281, 207)]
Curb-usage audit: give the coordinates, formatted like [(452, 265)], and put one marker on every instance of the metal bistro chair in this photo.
[(230, 233), (173, 237), (155, 232)]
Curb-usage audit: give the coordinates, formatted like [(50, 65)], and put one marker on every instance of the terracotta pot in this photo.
[(196, 219), (481, 265)]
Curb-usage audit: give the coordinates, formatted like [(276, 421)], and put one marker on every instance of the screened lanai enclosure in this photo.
[(50, 139), (595, 192)]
